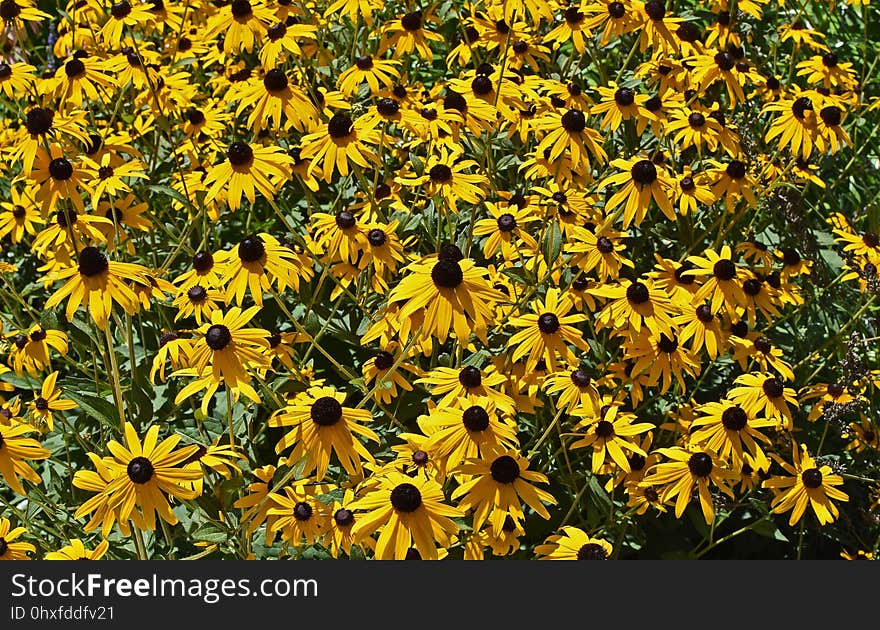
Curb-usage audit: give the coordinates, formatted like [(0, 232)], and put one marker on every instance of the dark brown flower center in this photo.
[(343, 517), (218, 337), (302, 511), (504, 469), (548, 323), (724, 269), (92, 262), (39, 120), (475, 418), (700, 464), (574, 121), (406, 498), (506, 222), (644, 172), (812, 478), (412, 21), (383, 360), (666, 344), (447, 274), (340, 126), (41, 403), (60, 169), (470, 377), (202, 261), (140, 470), (240, 154), (734, 418), (637, 293), (773, 387), (345, 220), (326, 411), (624, 97), (592, 551), (275, 80), (251, 249), (440, 173)]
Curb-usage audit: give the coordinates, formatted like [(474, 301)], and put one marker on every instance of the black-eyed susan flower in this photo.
[(807, 483), (76, 550), (547, 332), (407, 512), (299, 516), (641, 180), (496, 485), (46, 401), (15, 451), (611, 436), (453, 292), (95, 283), (146, 474), (9, 548), (340, 143), (727, 429), (226, 352), (376, 73), (686, 469), (319, 426), (256, 265), (764, 393), (573, 543), (456, 434), (31, 349), (246, 170), (450, 384)]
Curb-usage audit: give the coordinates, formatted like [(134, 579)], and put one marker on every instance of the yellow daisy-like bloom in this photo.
[(198, 302), (506, 227), (333, 146), (468, 380), (407, 34), (620, 104), (723, 286), (15, 451), (687, 469), (31, 349), (573, 544), (763, 393), (76, 550), (456, 434), (795, 126), (245, 170), (10, 550), (453, 293), (496, 484), (808, 484), (641, 180), (575, 385), (19, 215), (226, 352), (320, 426), (609, 435), (574, 27), (569, 131), (256, 502), (726, 428), (377, 73), (546, 331), (57, 178), (406, 511), (448, 179), (662, 356), (95, 283), (258, 262), (145, 475), (273, 98), (47, 401), (634, 305), (338, 536), (299, 516)]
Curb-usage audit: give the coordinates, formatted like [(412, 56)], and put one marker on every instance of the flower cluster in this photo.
[(308, 278)]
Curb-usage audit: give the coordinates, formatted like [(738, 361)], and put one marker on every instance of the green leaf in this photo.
[(211, 534), (99, 408), (552, 245)]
